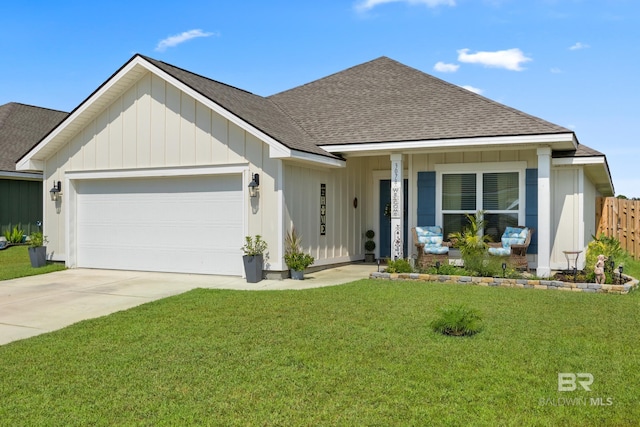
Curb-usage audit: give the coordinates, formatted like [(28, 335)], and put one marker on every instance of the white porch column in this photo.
[(544, 212), (397, 206)]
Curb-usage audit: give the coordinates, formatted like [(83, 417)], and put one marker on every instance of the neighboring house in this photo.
[(21, 127), (155, 167)]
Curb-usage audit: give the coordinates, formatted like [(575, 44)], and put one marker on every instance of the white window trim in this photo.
[(479, 169)]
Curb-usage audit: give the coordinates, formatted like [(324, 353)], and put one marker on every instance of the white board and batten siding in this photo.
[(345, 223), (184, 222)]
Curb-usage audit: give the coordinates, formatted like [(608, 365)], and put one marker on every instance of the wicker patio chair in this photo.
[(514, 244)]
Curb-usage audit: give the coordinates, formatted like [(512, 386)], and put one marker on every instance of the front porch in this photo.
[(427, 189)]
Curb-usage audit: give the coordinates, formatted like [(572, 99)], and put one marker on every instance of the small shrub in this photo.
[(458, 320), (36, 239), (470, 241), (254, 246), (400, 265), (609, 247), (14, 236), (484, 265), (293, 255), (369, 246), (298, 261), (447, 270)]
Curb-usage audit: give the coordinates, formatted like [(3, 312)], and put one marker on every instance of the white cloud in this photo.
[(365, 5), (446, 68), (555, 70), (472, 89), (510, 59), (177, 39), (579, 46)]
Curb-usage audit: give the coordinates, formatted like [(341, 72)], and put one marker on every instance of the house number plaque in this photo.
[(323, 209)]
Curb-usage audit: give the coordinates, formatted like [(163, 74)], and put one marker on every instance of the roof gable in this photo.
[(258, 111), (386, 101), (21, 127)]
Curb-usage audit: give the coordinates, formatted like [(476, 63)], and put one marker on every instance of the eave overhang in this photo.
[(559, 141), (595, 167)]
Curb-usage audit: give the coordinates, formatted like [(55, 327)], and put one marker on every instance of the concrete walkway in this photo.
[(34, 305)]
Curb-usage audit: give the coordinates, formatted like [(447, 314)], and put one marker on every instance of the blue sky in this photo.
[(571, 62)]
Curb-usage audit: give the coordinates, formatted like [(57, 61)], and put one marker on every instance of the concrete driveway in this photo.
[(34, 305)]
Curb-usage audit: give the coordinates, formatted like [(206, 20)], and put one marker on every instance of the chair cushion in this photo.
[(500, 251), (431, 235), (514, 236), (508, 241), (438, 250), (429, 230), (431, 240)]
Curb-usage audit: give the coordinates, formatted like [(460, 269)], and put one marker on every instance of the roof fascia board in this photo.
[(568, 161), (315, 158), (29, 164), (451, 143), (21, 175)]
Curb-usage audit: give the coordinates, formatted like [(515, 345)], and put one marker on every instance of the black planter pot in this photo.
[(253, 268), (297, 274), (38, 256)]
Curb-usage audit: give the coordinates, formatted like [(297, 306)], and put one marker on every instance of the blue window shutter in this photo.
[(426, 198), (531, 198)]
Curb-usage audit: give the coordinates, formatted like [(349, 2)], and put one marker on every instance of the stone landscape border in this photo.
[(630, 285)]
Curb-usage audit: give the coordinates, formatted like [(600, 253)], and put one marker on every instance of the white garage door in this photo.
[(178, 224)]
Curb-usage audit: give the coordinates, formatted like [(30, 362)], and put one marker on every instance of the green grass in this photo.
[(14, 262), (358, 354)]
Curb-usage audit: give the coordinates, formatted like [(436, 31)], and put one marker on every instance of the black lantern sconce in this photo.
[(504, 269), (254, 184), (56, 190)]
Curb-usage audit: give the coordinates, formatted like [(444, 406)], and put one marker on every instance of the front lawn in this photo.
[(14, 262), (358, 354)]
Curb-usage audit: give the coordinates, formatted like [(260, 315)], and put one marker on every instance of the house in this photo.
[(155, 166), (21, 127)]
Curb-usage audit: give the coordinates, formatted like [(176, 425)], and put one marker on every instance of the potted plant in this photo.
[(253, 257), (296, 260), (369, 246), (37, 250)]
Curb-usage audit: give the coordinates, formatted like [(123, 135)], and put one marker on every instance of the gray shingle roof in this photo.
[(21, 127), (256, 110), (385, 101), (378, 101), (582, 151)]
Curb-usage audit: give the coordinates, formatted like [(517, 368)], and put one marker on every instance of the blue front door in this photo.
[(385, 221)]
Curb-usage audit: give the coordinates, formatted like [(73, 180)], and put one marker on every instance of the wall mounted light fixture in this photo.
[(254, 184), (56, 190)]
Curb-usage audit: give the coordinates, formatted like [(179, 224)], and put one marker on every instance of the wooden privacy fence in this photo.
[(620, 218)]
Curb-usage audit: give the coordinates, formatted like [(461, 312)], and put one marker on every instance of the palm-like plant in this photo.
[(470, 241), (293, 255)]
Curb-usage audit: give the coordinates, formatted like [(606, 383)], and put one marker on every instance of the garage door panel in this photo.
[(191, 225)]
